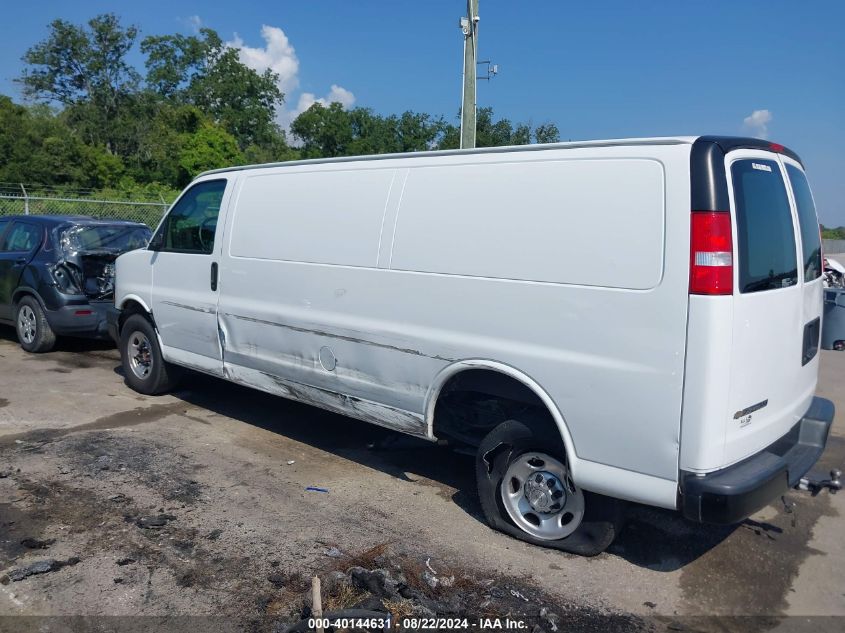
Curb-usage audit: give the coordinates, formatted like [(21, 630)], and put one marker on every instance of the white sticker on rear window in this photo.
[(761, 167)]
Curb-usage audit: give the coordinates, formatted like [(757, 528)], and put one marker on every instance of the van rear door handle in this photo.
[(214, 275)]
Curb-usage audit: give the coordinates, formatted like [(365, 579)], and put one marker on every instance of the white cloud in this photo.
[(279, 55), (337, 94), (193, 22), (758, 122)]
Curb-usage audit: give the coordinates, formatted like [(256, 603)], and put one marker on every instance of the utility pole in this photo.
[(469, 27)]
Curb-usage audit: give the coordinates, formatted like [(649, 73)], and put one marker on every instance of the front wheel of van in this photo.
[(526, 491), (144, 366)]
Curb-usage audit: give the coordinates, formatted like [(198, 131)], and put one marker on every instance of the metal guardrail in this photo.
[(20, 199)]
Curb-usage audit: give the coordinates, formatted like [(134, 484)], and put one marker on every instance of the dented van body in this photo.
[(628, 295)]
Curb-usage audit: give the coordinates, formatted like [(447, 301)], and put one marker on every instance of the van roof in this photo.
[(669, 140), (725, 142)]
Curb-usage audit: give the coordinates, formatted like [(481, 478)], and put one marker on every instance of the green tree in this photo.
[(85, 67), (546, 133), (833, 233), (210, 147), (202, 71), (333, 131), (160, 142), (496, 133), (324, 131), (96, 124), (36, 146)]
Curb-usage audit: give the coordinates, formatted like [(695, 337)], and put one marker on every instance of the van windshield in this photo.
[(765, 233)]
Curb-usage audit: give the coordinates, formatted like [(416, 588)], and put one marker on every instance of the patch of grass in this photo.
[(342, 596), (365, 559), (462, 581), (399, 608)]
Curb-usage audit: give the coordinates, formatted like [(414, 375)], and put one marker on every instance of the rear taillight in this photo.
[(711, 254)]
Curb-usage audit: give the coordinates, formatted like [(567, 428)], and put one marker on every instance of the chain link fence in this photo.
[(21, 199)]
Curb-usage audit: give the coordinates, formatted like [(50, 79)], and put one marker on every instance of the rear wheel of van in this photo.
[(34, 332), (143, 364), (527, 492)]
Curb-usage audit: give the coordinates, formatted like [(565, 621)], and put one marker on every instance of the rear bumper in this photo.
[(84, 319), (734, 493)]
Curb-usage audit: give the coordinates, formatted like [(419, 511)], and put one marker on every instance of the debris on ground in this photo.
[(277, 580), (333, 552), (34, 543), (214, 534), (382, 581), (154, 522), (41, 567), (316, 489)]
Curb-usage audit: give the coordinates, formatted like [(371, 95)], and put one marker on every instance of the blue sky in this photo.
[(597, 69)]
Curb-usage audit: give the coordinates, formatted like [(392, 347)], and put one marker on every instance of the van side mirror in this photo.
[(156, 241)]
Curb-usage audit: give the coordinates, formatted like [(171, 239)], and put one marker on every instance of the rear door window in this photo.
[(811, 246), (765, 232), (21, 238)]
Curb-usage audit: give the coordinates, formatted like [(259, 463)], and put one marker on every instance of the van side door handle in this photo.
[(214, 275), (20, 261)]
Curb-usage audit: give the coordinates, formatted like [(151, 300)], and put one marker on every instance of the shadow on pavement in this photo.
[(653, 538), (660, 540)]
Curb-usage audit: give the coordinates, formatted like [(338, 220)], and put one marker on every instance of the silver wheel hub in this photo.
[(27, 326), (540, 497), (544, 492), (139, 353)]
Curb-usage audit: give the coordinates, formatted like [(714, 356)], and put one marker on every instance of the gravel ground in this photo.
[(196, 504)]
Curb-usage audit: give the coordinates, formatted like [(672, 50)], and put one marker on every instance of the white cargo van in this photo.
[(601, 321)]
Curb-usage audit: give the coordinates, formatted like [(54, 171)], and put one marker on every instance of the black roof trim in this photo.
[(707, 168), (729, 143)]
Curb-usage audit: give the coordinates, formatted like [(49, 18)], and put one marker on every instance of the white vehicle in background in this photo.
[(608, 321), (834, 273)]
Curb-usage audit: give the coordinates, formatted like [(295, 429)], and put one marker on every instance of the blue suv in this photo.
[(57, 274)]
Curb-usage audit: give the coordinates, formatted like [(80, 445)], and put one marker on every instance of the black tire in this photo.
[(602, 516), (144, 367), (34, 332)]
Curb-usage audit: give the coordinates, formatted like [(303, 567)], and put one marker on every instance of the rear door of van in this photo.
[(777, 299)]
